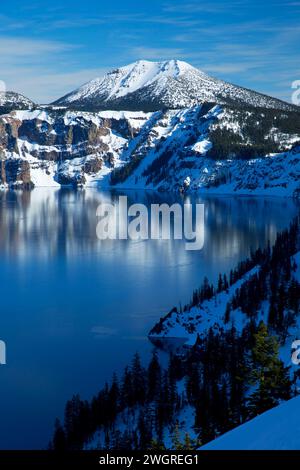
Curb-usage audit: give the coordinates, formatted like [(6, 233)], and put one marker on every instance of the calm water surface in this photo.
[(75, 309)]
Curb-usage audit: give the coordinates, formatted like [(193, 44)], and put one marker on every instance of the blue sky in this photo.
[(48, 49)]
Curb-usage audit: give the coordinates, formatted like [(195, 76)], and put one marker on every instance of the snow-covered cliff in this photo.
[(205, 148)]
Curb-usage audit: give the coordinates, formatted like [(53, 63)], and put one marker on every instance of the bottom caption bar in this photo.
[(133, 460)]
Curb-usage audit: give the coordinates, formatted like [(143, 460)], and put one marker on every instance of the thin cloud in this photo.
[(72, 22), (83, 22), (226, 68), (29, 66), (235, 30), (209, 7), (69, 23), (17, 47), (46, 86)]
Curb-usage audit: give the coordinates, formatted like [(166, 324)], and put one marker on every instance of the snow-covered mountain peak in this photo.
[(151, 86), (130, 78), (12, 100), (170, 68), (144, 72)]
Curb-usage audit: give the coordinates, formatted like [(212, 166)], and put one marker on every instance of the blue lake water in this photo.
[(74, 309)]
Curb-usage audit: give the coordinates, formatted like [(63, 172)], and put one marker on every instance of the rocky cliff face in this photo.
[(15, 173), (60, 147), (207, 147)]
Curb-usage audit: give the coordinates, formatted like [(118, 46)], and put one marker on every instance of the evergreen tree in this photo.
[(220, 283), (154, 378), (144, 429), (188, 443), (59, 439), (138, 380), (227, 313), (113, 397), (157, 445), (127, 389), (176, 443), (225, 283), (269, 374)]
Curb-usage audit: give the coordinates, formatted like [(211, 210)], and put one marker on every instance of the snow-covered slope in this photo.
[(182, 153), (127, 421), (197, 320), (10, 100), (276, 429), (205, 148), (158, 85)]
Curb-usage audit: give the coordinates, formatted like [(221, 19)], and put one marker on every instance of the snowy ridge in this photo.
[(276, 429), (158, 85), (198, 320), (211, 314), (12, 100)]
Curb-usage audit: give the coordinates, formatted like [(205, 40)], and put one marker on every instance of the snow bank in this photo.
[(276, 429)]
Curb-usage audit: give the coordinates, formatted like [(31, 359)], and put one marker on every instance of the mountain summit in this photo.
[(151, 86)]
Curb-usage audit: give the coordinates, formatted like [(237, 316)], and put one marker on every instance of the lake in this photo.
[(74, 309)]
